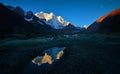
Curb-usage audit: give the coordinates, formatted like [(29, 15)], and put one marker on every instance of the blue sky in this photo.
[(79, 12)]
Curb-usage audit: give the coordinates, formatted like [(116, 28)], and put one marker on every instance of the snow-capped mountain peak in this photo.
[(85, 26), (43, 15), (60, 19), (56, 22), (40, 15), (49, 16)]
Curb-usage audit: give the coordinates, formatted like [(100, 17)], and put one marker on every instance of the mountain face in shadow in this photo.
[(69, 29), (108, 23), (13, 23), (10, 22)]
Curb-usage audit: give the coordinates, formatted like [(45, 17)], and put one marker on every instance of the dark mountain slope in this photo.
[(69, 29), (107, 23), (11, 22)]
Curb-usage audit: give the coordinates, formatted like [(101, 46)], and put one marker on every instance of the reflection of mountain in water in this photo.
[(50, 56), (41, 60)]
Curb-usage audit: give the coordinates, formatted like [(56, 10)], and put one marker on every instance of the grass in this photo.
[(95, 54), (90, 52), (23, 43)]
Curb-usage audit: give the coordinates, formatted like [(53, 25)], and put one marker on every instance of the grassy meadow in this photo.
[(84, 53)]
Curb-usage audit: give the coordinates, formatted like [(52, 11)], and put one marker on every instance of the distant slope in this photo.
[(107, 23), (69, 29)]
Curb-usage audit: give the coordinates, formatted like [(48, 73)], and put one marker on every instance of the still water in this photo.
[(45, 61)]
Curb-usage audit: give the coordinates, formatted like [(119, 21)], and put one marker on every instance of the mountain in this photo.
[(46, 22), (85, 27), (107, 23), (56, 22), (31, 18), (11, 22), (27, 15), (69, 29), (14, 23), (20, 11)]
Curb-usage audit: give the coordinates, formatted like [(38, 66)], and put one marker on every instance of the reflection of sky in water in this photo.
[(49, 56)]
